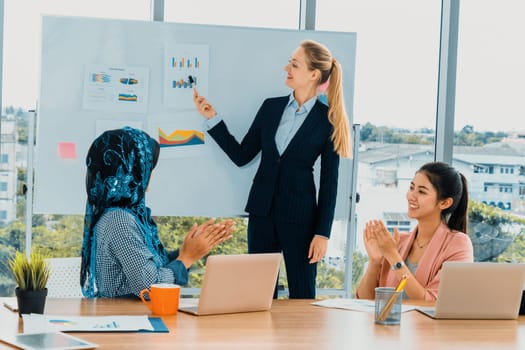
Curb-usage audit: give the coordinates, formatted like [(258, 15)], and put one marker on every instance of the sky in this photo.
[(397, 51)]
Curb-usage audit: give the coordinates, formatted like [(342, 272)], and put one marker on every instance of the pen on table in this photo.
[(9, 307), (400, 287)]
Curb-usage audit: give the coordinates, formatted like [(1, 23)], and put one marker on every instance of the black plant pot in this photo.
[(31, 301)]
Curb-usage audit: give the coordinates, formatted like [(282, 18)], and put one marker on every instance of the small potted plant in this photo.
[(31, 277)]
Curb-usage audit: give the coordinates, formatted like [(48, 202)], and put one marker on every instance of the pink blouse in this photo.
[(445, 245)]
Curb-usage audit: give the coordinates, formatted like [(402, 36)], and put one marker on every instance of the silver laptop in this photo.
[(236, 283), (478, 291)]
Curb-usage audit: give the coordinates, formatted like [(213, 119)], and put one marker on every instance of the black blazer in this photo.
[(284, 185)]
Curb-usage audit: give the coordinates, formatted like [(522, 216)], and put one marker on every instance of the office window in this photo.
[(394, 98), (484, 169), (4, 158), (478, 169), (3, 186), (505, 188), (269, 13), (506, 170), (521, 190), (3, 214), (489, 99), (489, 169)]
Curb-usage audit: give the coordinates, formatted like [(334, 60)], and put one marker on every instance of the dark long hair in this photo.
[(449, 183)]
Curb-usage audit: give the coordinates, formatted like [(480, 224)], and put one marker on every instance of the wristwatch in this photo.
[(398, 265)]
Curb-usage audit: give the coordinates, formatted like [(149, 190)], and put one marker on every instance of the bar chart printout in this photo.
[(186, 67)]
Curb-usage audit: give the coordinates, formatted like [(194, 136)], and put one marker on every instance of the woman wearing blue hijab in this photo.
[(121, 251)]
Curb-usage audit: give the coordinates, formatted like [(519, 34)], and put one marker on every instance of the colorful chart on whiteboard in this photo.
[(185, 67)]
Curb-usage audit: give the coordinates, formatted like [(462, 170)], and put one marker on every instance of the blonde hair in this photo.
[(319, 57)]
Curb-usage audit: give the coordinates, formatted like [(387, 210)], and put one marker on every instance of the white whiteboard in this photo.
[(246, 65)]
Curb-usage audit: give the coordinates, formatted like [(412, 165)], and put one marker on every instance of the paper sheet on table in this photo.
[(34, 323), (354, 304)]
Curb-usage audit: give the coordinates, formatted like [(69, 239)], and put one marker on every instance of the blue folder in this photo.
[(158, 326)]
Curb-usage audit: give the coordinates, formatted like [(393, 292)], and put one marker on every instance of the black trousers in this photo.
[(267, 235)]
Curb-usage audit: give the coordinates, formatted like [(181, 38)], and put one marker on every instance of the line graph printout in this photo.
[(183, 136), (180, 63), (118, 89), (180, 138)]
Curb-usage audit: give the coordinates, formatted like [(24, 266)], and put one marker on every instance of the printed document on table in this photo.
[(354, 304), (36, 323)]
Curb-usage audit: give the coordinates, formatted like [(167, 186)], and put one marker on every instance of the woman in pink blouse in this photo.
[(438, 200)]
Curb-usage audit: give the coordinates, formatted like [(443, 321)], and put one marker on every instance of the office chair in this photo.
[(64, 279)]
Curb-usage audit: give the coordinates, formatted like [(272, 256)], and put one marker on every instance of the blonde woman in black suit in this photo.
[(292, 132)]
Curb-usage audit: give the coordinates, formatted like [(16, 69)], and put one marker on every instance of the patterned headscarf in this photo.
[(119, 164)]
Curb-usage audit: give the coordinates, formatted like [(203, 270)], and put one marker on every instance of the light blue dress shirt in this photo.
[(291, 120)]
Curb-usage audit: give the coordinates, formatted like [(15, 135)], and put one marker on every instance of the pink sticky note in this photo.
[(67, 150)]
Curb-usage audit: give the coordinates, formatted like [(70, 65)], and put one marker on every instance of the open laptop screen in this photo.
[(237, 283), (479, 290)]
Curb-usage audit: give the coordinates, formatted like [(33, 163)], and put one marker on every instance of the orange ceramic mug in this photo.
[(164, 298)]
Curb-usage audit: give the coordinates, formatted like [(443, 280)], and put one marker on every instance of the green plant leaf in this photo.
[(31, 274)]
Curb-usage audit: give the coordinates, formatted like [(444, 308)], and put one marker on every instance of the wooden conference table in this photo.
[(291, 324)]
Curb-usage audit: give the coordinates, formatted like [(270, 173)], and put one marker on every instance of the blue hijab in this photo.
[(119, 164)]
